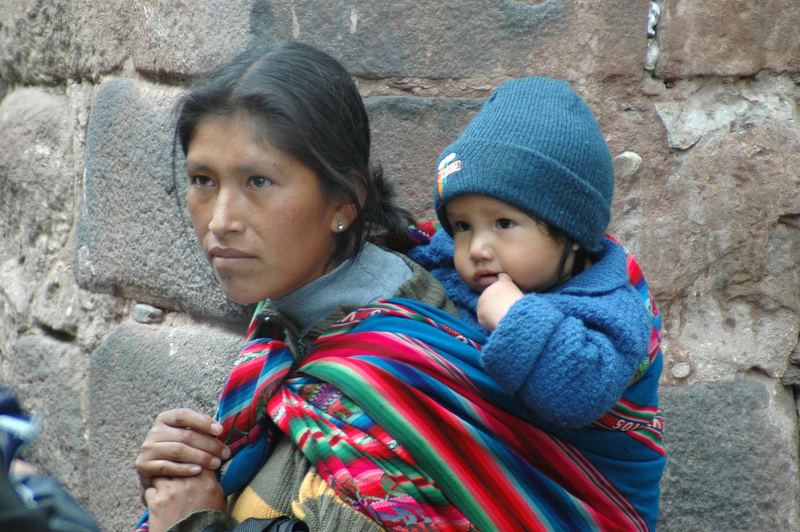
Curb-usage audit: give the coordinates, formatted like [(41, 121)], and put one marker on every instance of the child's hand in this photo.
[(495, 301)]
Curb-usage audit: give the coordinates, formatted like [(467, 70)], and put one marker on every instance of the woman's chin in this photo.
[(242, 295)]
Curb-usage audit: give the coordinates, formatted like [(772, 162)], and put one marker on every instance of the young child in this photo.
[(524, 197)]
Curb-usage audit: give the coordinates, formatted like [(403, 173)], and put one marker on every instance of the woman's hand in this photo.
[(181, 443), (171, 499), (495, 301)]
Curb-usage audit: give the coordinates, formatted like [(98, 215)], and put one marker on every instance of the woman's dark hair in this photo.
[(311, 109)]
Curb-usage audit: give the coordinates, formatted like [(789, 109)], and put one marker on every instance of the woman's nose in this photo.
[(226, 216)]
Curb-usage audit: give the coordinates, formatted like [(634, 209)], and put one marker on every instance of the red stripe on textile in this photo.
[(533, 444)]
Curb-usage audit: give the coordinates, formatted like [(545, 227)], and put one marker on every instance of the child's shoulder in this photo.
[(434, 247)]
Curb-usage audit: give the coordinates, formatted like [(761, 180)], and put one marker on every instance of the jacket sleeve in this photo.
[(204, 520), (569, 358)]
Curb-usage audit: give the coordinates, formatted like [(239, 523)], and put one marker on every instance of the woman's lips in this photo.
[(227, 257), (228, 253)]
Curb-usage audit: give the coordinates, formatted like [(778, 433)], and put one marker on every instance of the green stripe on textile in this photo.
[(355, 387)]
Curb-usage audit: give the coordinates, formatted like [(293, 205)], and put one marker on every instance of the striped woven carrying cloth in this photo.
[(392, 408)]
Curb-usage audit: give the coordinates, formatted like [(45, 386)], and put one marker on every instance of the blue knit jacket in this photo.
[(568, 353)]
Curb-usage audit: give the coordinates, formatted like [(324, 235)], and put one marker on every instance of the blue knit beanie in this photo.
[(536, 145)]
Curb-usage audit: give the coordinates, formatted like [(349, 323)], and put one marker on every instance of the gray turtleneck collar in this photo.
[(372, 274)]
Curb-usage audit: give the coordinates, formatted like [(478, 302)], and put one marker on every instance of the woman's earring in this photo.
[(340, 227)]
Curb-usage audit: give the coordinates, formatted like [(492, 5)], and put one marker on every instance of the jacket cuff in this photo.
[(205, 521)]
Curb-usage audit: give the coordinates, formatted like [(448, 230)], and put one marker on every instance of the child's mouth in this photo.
[(486, 279)]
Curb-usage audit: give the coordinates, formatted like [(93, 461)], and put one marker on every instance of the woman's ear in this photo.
[(343, 216)]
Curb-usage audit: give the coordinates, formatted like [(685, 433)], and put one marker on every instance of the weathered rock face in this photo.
[(723, 478), (50, 41), (728, 38), (178, 39), (702, 117)]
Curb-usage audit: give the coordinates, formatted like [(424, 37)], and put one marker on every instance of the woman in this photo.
[(281, 197)]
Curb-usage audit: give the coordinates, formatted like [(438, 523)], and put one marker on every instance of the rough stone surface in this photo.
[(468, 38), (722, 246), (732, 457), (184, 38), (36, 202), (36, 185), (727, 38), (49, 41), (139, 371), (408, 135), (50, 377), (147, 314), (135, 238)]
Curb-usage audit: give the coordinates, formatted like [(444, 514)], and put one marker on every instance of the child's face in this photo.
[(492, 237)]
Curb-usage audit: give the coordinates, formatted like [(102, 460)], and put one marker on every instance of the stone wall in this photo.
[(108, 312)]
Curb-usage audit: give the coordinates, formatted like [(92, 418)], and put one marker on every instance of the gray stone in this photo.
[(134, 237), (626, 164), (574, 40), (147, 314), (651, 56), (681, 370), (792, 376), (408, 135), (50, 41), (36, 170), (185, 38), (727, 38), (732, 457), (37, 174), (49, 376), (139, 371)]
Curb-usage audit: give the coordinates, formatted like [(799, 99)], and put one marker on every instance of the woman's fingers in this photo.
[(189, 429), (154, 453), (190, 419), (181, 443)]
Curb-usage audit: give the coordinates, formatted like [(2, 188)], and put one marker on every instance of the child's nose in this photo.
[(480, 248)]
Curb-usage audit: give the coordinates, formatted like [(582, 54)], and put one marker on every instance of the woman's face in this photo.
[(259, 213)]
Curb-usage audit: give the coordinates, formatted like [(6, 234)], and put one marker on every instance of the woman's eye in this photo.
[(259, 181), (200, 181), (504, 223), (460, 226)]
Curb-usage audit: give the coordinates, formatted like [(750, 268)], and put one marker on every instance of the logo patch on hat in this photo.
[(446, 167)]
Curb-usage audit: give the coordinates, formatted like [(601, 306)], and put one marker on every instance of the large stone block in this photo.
[(134, 237), (467, 38), (36, 169), (408, 38), (408, 135), (732, 457), (184, 38), (37, 176), (717, 234), (139, 371), (51, 41), (727, 38)]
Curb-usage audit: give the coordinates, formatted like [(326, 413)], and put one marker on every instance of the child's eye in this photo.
[(504, 223), (200, 181), (259, 181), (460, 226)]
